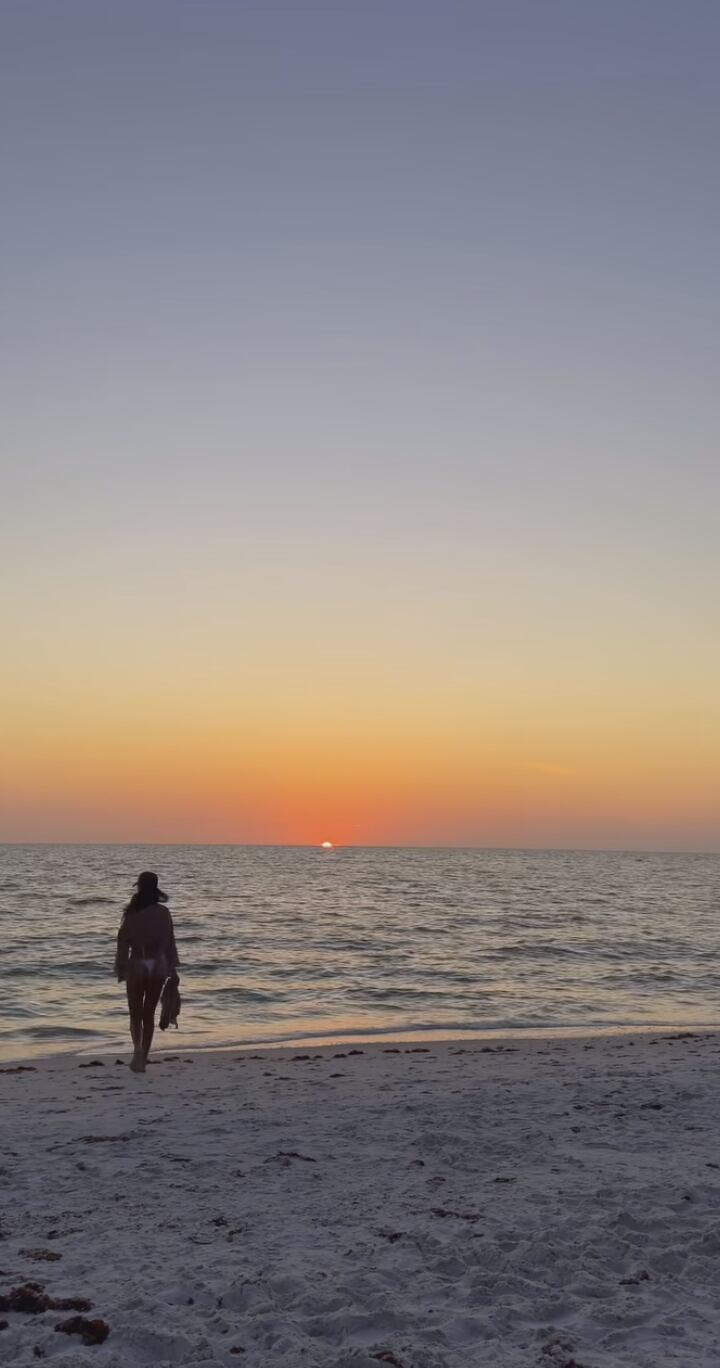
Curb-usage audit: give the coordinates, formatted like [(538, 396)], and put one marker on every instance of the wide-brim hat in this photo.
[(149, 881)]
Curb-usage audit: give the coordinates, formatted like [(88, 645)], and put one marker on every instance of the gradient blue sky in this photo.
[(387, 330)]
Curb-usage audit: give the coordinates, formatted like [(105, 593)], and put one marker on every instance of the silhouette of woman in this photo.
[(146, 957)]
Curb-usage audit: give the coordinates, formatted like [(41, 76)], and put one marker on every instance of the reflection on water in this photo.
[(287, 942)]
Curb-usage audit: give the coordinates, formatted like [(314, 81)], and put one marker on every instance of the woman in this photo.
[(146, 957)]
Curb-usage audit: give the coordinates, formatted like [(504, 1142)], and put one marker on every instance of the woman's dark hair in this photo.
[(148, 893)]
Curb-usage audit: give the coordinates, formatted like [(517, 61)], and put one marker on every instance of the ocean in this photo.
[(297, 944)]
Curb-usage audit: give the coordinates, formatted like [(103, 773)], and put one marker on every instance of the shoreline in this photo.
[(523, 1044), (436, 1036)]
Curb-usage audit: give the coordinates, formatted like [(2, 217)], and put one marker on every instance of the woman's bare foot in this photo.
[(137, 1063)]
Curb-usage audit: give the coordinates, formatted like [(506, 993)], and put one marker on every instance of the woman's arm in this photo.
[(122, 953), (173, 956)]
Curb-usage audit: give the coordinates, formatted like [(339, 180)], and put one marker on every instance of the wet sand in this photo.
[(534, 1204)]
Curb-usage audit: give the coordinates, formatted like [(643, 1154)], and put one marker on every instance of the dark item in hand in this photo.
[(170, 1003)]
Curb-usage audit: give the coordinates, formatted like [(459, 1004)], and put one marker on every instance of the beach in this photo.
[(516, 1203)]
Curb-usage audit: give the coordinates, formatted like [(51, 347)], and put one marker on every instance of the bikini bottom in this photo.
[(148, 968)]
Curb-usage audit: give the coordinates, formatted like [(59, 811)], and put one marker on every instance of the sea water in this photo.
[(291, 943)]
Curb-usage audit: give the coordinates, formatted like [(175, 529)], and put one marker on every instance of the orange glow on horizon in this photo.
[(376, 752)]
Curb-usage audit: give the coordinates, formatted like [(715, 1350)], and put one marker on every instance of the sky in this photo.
[(359, 450)]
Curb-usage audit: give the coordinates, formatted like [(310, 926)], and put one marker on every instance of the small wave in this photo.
[(389, 993), (245, 994), (52, 1033), (95, 901), (62, 969), (295, 1034)]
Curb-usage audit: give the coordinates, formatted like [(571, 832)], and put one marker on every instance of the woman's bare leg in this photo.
[(136, 996), (153, 990)]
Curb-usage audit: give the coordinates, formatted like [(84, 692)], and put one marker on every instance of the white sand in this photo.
[(558, 1204)]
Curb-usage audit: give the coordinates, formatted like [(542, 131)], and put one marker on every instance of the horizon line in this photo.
[(350, 845)]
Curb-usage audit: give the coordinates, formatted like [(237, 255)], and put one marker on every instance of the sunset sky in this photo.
[(360, 422)]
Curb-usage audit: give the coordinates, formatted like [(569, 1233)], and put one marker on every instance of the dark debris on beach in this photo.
[(92, 1331), (31, 1299)]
